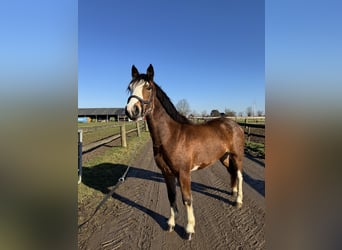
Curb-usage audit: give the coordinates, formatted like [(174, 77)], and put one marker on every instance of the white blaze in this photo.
[(138, 92)]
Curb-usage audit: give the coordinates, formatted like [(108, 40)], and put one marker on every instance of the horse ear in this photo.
[(150, 72), (135, 72)]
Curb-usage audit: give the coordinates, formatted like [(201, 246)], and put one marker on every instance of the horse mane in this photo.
[(169, 107)]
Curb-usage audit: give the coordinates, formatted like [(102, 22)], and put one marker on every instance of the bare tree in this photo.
[(183, 107), (215, 113), (194, 113), (249, 111), (260, 113), (229, 112), (204, 113)]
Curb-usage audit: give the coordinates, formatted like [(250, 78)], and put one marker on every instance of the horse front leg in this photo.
[(170, 181), (185, 185)]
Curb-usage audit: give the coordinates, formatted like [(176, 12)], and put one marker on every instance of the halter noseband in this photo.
[(143, 102)]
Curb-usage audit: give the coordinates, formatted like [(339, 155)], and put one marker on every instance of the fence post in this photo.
[(123, 135), (245, 125), (80, 139), (146, 126), (249, 134), (138, 128)]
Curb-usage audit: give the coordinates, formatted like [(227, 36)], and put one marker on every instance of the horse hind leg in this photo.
[(234, 167), (237, 162), (227, 162), (170, 181)]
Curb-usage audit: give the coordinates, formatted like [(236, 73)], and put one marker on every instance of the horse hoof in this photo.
[(189, 236), (170, 229), (238, 204)]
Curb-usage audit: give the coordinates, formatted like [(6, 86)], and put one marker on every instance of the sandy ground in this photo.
[(135, 215)]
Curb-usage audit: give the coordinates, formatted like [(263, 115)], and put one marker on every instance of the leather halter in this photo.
[(142, 102)]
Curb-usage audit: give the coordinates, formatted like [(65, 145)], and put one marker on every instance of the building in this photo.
[(102, 114)]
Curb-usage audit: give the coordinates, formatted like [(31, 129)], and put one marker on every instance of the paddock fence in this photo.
[(115, 136), (139, 126), (254, 127)]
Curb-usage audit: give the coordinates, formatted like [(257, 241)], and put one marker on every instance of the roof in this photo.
[(101, 111)]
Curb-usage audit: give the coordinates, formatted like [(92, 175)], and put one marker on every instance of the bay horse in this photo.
[(179, 146)]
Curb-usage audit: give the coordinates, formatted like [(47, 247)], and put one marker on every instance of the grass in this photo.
[(103, 171), (257, 149)]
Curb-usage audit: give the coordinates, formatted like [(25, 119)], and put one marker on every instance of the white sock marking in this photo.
[(190, 228), (194, 168), (240, 193), (171, 221)]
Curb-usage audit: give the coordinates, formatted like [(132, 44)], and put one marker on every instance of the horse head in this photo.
[(139, 102)]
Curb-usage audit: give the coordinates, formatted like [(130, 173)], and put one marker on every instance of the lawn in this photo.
[(105, 169)]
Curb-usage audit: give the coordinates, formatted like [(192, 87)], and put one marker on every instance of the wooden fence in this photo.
[(254, 127), (248, 131), (123, 135)]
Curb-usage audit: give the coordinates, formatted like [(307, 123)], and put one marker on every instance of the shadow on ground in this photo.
[(104, 177)]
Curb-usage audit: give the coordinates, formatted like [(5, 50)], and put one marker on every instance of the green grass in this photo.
[(101, 172), (254, 148)]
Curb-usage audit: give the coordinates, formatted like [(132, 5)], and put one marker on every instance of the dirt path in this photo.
[(135, 217)]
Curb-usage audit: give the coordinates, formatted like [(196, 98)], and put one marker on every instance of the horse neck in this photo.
[(160, 124)]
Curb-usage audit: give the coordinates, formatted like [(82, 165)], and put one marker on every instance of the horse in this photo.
[(180, 146)]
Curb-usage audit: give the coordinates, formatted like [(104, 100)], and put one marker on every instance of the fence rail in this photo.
[(88, 129), (253, 126), (247, 128), (122, 135)]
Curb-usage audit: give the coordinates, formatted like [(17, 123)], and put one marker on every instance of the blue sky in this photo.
[(210, 53)]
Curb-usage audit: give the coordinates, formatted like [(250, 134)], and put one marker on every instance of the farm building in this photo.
[(102, 114)]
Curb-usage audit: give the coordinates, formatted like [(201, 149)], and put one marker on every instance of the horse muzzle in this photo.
[(133, 112)]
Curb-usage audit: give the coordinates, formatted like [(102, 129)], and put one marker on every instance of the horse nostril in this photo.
[(135, 110)]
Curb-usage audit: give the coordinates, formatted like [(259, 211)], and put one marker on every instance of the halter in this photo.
[(143, 102)]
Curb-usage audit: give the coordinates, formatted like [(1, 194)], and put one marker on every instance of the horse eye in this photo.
[(148, 86)]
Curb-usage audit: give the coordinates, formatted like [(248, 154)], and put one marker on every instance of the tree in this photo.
[(249, 111), (204, 113), (229, 112), (260, 113), (215, 113), (183, 107), (194, 113)]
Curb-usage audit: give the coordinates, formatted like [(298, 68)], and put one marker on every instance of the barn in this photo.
[(102, 114)]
